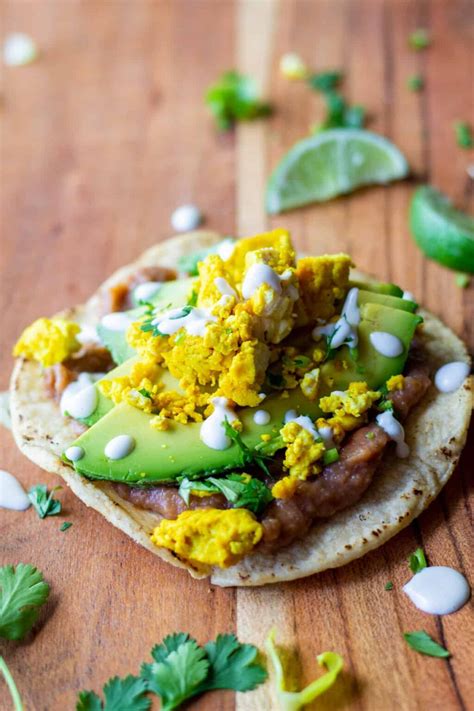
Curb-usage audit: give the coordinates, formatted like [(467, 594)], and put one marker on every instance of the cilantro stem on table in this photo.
[(417, 561), (12, 688), (421, 642)]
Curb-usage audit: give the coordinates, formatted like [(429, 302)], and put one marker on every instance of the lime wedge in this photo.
[(332, 163), (442, 232)]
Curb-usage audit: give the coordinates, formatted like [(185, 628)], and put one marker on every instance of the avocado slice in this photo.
[(163, 456), (387, 300), (378, 287), (171, 295)]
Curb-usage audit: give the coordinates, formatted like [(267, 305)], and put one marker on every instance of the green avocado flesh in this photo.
[(378, 287), (170, 295), (162, 456)]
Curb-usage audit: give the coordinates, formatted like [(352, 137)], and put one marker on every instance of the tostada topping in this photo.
[(213, 431), (395, 431), (48, 341), (386, 344), (451, 376), (119, 447)]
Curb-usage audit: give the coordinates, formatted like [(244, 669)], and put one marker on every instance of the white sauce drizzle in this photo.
[(80, 398), (224, 287), (212, 431), (225, 249), (119, 447), (326, 435), (386, 344), (344, 330), (451, 376), (408, 296), (116, 321), (262, 417), (186, 217), (257, 275), (395, 431), (438, 590), (12, 494), (194, 322), (74, 453), (145, 291)]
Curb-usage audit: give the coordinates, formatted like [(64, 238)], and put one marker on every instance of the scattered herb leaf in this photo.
[(193, 298), (243, 492), (325, 81), (232, 665), (44, 503), (370, 435), (64, 526), (234, 97), (271, 447), (421, 642), (462, 280), (419, 39), (464, 136), (416, 82), (330, 456), (417, 561), (145, 393), (128, 694), (12, 688), (389, 585), (247, 456), (22, 592)]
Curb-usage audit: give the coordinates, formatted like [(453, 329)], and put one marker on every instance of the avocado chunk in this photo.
[(161, 456), (170, 295), (378, 287)]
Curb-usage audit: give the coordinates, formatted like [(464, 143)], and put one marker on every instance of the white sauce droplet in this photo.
[(186, 217), (12, 494), (386, 344), (262, 417), (212, 431), (194, 322), (438, 590), (224, 287), (83, 381), (225, 249), (19, 49), (451, 376), (290, 415), (74, 453), (395, 431), (146, 291), (326, 435), (344, 330), (119, 447), (87, 334), (257, 275), (408, 296), (117, 321), (79, 398)]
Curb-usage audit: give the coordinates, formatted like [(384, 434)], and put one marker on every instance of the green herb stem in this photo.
[(14, 693)]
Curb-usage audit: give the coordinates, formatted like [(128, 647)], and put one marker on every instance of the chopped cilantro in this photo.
[(330, 456), (43, 502), (417, 561), (271, 447), (244, 493), (232, 665), (462, 280), (247, 456), (325, 81), (187, 486), (22, 592), (339, 114), (389, 585), (234, 97), (415, 82), (385, 404), (421, 642), (128, 694), (419, 39), (464, 136), (64, 526), (148, 325), (12, 688), (145, 393), (192, 301), (370, 435)]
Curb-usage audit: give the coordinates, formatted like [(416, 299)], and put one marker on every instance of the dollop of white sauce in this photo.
[(74, 453), (303, 421), (386, 344), (395, 431), (262, 417), (12, 494), (438, 590), (116, 321), (212, 431), (451, 376), (326, 435), (79, 398), (225, 249), (87, 334), (259, 274), (70, 391), (408, 296), (224, 287), (344, 330), (194, 322), (119, 447), (146, 291), (186, 217), (19, 49), (290, 415)]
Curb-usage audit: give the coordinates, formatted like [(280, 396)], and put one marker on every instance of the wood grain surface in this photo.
[(101, 139)]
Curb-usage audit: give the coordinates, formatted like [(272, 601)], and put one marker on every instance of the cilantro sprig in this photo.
[(22, 592), (44, 503), (12, 688), (181, 669), (248, 457), (421, 642), (417, 561), (234, 97), (241, 490)]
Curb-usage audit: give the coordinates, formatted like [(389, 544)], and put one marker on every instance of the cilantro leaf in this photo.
[(421, 642), (417, 561), (43, 503), (419, 39), (145, 393), (464, 136), (128, 694), (247, 456), (179, 668), (187, 486), (244, 493), (339, 114), (389, 585), (234, 97), (415, 82), (325, 81), (232, 665), (22, 592), (64, 526)]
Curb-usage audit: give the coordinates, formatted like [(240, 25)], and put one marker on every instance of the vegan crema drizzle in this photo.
[(438, 590), (12, 494), (451, 376), (212, 431)]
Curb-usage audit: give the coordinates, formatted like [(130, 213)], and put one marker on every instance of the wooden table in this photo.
[(103, 137)]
